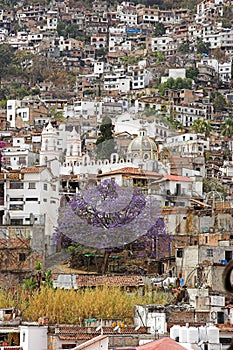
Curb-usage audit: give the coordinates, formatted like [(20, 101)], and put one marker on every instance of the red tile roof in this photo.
[(77, 333), (178, 178), (77, 337), (122, 281), (131, 171), (33, 169), (161, 344)]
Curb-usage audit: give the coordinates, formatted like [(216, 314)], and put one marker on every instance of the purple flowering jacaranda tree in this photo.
[(107, 216), (156, 242)]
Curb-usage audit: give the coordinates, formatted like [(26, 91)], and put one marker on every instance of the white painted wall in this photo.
[(155, 321), (33, 337)]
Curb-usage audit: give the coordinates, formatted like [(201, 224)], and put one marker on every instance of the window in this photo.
[(45, 187), (209, 252), (16, 185), (16, 206), (31, 199), (68, 346), (22, 160), (22, 257), (179, 253), (32, 185), (13, 199), (228, 255), (7, 161), (16, 222)]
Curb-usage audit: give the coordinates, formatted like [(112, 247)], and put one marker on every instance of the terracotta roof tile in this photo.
[(77, 337), (33, 169), (75, 333), (122, 281), (131, 171), (178, 178)]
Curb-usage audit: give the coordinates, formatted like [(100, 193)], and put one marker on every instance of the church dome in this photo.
[(143, 147)]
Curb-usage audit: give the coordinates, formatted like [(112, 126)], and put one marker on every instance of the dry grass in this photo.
[(72, 307)]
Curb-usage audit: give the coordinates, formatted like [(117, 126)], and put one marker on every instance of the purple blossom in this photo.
[(156, 242), (107, 216)]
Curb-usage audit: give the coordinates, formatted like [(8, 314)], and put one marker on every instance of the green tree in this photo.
[(38, 279), (201, 126), (213, 184), (56, 115), (70, 30), (159, 56), (227, 128), (61, 28), (192, 73), (73, 31), (6, 58), (175, 123), (219, 103), (219, 54), (3, 103), (175, 84), (159, 29), (184, 47), (203, 47), (227, 16), (105, 142), (24, 59), (4, 92)]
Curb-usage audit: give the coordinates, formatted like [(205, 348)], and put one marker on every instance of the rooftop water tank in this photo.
[(202, 333), (192, 335), (183, 331), (174, 332), (213, 334)]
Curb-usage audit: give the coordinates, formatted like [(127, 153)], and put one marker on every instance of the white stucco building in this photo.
[(31, 196)]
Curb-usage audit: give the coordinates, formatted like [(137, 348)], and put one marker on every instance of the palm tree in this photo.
[(198, 126), (201, 126), (208, 128), (227, 128)]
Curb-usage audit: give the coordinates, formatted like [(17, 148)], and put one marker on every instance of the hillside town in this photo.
[(133, 102)]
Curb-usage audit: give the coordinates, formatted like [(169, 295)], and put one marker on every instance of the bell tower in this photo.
[(49, 150)]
